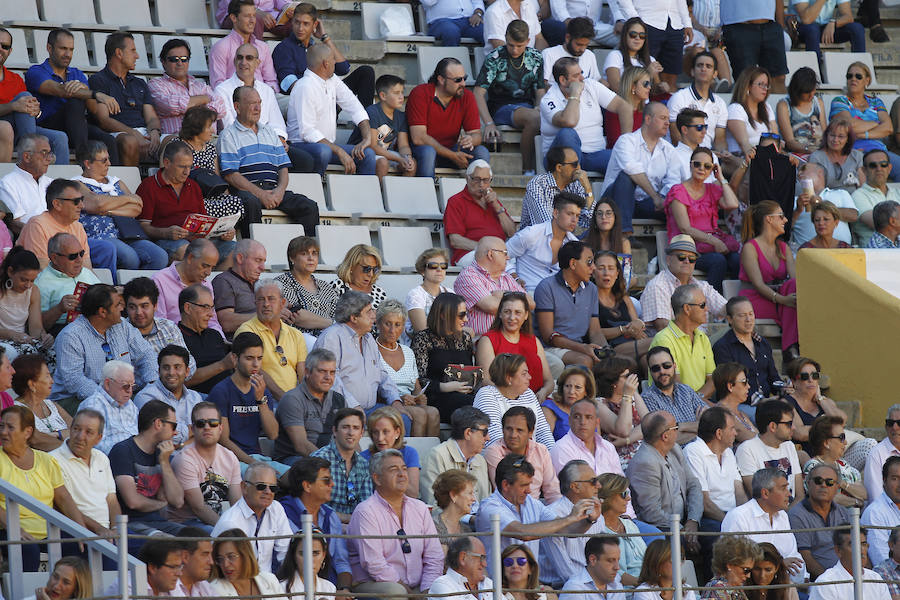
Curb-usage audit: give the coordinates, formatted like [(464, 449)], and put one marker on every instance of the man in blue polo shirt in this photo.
[(567, 309), (63, 91)]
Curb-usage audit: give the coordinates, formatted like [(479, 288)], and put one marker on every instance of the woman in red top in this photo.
[(511, 332), (635, 89)]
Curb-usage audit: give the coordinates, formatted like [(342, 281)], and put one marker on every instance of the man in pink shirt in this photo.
[(583, 442), (242, 14), (387, 567), (200, 257), (267, 12)]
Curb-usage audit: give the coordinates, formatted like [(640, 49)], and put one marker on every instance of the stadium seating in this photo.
[(142, 65), (18, 56), (836, 64), (275, 239), (130, 176), (371, 13), (69, 12), (25, 11), (401, 245), (411, 195), (133, 15), (355, 193), (431, 56), (449, 186), (184, 17), (310, 185), (335, 240), (197, 66)]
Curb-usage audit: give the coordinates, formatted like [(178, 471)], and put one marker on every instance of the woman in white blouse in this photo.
[(290, 575), (432, 266), (656, 572), (633, 44), (749, 115), (236, 573), (511, 378)]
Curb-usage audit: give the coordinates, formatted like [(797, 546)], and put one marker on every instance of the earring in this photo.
[(8, 284)]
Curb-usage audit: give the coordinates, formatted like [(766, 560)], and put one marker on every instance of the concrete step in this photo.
[(853, 410), (369, 51), (506, 162), (339, 29)]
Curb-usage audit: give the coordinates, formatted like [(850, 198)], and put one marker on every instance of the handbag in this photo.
[(210, 182), (472, 376), (130, 229)]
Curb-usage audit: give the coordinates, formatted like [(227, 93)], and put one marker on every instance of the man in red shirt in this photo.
[(444, 126), (474, 213), (169, 197)]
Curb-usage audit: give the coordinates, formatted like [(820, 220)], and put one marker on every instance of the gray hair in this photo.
[(55, 243), (350, 304), (568, 474), (891, 409), (263, 283), (197, 247), (319, 355), (28, 141), (390, 307), (245, 245), (478, 164), (837, 474), (765, 479), (457, 545), (114, 367), (258, 466), (376, 463), (682, 295)]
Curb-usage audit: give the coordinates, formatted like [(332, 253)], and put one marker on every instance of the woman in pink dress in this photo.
[(773, 289)]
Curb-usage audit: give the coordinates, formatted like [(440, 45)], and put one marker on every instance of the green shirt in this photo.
[(865, 199), (54, 285), (511, 81)]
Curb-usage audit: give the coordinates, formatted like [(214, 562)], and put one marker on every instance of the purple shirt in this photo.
[(221, 60), (384, 560), (170, 285)]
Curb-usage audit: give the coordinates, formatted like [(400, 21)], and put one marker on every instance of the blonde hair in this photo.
[(629, 78), (353, 257), (391, 414), (429, 254), (733, 549)]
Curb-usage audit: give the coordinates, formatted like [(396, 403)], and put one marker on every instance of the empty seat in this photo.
[(422, 445), (478, 54), (836, 64), (275, 238), (18, 56), (449, 186), (371, 17), (69, 11), (134, 14), (130, 176), (197, 66), (400, 246), (143, 62), (411, 196), (63, 171), (104, 275), (182, 14), (397, 285), (355, 193), (80, 58), (335, 240), (310, 185), (126, 275), (25, 12), (797, 59), (430, 56)]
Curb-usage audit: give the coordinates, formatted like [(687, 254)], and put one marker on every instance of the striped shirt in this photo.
[(258, 155)]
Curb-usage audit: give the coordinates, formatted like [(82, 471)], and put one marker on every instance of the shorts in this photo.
[(141, 130), (667, 46), (173, 246), (504, 114), (557, 352)]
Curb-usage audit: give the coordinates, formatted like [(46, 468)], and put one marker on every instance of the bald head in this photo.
[(316, 57), (486, 244)]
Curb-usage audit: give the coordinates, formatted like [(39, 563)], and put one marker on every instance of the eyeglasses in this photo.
[(746, 570), (72, 256), (884, 164), (770, 136), (174, 424), (687, 257), (589, 261), (661, 366), (857, 76), (433, 266), (367, 269), (625, 494), (247, 57), (891, 422), (203, 306), (592, 481), (701, 165), (261, 487), (178, 567), (744, 381), (702, 305), (204, 423), (842, 437), (351, 492), (484, 430), (637, 35), (48, 154), (404, 543), (672, 428), (605, 214), (462, 314), (784, 422), (480, 180), (127, 387), (762, 85), (283, 360), (178, 59), (109, 354), (481, 557), (645, 84), (6, 47), (457, 79), (829, 482), (806, 376), (228, 558), (700, 127), (519, 560), (780, 216), (500, 250), (76, 201)]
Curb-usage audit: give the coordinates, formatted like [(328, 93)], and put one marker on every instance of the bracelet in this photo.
[(573, 98), (628, 397), (744, 164), (774, 296), (325, 37), (621, 330), (93, 94), (488, 123)]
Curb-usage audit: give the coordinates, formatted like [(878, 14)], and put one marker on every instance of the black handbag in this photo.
[(211, 183), (130, 229)]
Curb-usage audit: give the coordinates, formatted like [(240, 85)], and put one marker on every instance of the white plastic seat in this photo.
[(69, 11), (80, 57), (197, 66), (335, 240), (449, 186), (397, 285), (400, 246), (18, 56), (133, 15), (371, 13), (183, 14), (478, 54), (355, 193), (430, 56), (130, 176), (411, 196), (797, 59), (310, 185), (104, 275), (423, 445), (126, 275), (836, 64), (275, 238), (25, 12), (140, 44), (63, 171)]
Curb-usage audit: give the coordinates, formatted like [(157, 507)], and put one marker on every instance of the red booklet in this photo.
[(206, 226), (80, 288)]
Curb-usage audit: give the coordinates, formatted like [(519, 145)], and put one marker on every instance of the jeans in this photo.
[(590, 161), (323, 156), (756, 44), (668, 46), (103, 255), (622, 191), (361, 82), (448, 31), (427, 159), (140, 254), (24, 124), (301, 161), (70, 119), (554, 31), (172, 246), (717, 266), (853, 32)]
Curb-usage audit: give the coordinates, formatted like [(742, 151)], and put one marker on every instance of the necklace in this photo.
[(394, 349), (517, 66)]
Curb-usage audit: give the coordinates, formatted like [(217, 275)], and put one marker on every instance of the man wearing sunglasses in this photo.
[(670, 395), (817, 510), (886, 448), (58, 279), (258, 515), (772, 447), (877, 168), (466, 565), (692, 127), (209, 472), (170, 388), (802, 228)]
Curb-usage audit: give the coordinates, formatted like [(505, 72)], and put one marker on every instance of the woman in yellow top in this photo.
[(35, 473)]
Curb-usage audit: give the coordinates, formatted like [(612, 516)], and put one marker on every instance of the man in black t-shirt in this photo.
[(389, 129), (206, 345)]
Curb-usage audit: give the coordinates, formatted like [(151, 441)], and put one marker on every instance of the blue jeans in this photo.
[(24, 124), (590, 161), (851, 32), (450, 30), (103, 255), (718, 265), (172, 246), (554, 31), (427, 159), (323, 156), (622, 192), (140, 254)]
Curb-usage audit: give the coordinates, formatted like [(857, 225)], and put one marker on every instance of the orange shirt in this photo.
[(38, 231)]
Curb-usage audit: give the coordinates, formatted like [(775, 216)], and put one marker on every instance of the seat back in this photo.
[(275, 238), (836, 64), (182, 14), (310, 185), (18, 56), (80, 58), (130, 176), (335, 240), (134, 13), (430, 56), (449, 186), (355, 193), (400, 246), (143, 62), (371, 15), (411, 196), (197, 66), (798, 59), (68, 11)]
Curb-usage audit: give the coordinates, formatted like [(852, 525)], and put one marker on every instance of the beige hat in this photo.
[(683, 243)]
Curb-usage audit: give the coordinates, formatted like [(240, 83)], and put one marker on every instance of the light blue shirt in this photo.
[(530, 255), (450, 9), (584, 581), (55, 284), (562, 557), (739, 11), (825, 14), (882, 511), (121, 419), (183, 407), (532, 511)]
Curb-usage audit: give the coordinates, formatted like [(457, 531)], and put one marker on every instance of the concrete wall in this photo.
[(851, 326)]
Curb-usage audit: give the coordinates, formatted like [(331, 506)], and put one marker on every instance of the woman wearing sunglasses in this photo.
[(310, 300), (635, 90), (732, 562), (842, 163), (749, 115), (828, 442), (359, 271), (520, 571), (801, 116), (732, 389), (633, 45), (432, 266), (692, 207), (236, 573), (614, 495), (767, 268)]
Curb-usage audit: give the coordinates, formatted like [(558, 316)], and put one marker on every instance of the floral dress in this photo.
[(626, 452), (223, 204), (721, 594), (100, 227)]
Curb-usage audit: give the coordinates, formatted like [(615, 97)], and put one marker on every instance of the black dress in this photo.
[(614, 317), (433, 354)]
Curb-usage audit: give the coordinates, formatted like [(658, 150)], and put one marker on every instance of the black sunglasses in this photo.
[(637, 35), (592, 480), (260, 486), (204, 423), (702, 305), (891, 422), (858, 76), (700, 127), (842, 437), (687, 257), (806, 376), (178, 59), (367, 269), (884, 164), (105, 347), (404, 543), (6, 46), (441, 266), (72, 256), (456, 79), (829, 482), (76, 201), (660, 367)]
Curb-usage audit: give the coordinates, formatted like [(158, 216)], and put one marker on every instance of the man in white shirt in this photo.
[(449, 20), (258, 516), (533, 251), (466, 562), (889, 446), (23, 189), (884, 510), (503, 12), (873, 586), (572, 114), (579, 32), (692, 127), (767, 512), (773, 447), (669, 28), (802, 229), (642, 168), (699, 96), (601, 553), (565, 11), (312, 116)]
